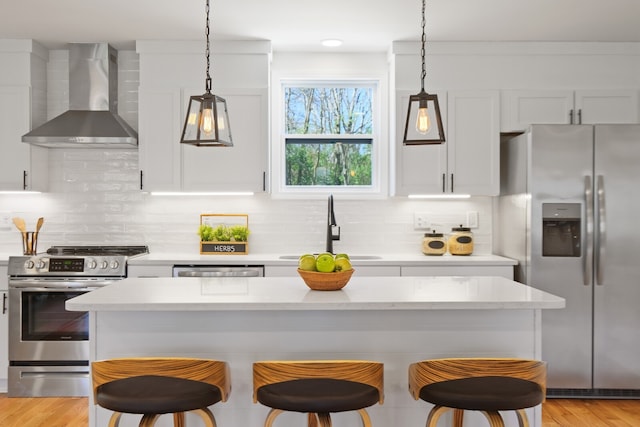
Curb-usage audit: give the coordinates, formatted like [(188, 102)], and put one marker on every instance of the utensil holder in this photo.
[(29, 242)]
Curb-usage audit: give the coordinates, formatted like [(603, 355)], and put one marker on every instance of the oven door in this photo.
[(41, 329)]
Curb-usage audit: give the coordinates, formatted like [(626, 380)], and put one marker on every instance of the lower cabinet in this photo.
[(150, 270), (466, 270), (4, 329)]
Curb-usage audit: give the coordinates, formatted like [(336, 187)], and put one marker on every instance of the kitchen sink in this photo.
[(351, 257)]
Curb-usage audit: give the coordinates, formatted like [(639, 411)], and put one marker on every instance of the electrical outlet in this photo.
[(421, 221), (472, 219)]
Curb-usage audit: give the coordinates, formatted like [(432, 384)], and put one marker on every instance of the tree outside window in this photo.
[(328, 135)]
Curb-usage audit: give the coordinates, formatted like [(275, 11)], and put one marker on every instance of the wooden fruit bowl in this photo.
[(326, 281)]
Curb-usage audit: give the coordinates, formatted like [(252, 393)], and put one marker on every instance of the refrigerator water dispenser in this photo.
[(561, 227)]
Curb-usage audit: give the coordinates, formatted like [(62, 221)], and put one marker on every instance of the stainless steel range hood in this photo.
[(92, 120)]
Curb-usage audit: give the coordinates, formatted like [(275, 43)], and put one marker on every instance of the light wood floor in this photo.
[(72, 412)]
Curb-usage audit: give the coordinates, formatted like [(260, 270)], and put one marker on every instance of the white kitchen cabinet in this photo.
[(242, 167), (22, 166), (522, 108), (468, 162), (150, 270), (4, 329), (467, 270)]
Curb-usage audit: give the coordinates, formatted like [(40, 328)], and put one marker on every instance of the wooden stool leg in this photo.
[(148, 420), (495, 420), (178, 419), (312, 420), (434, 415), (523, 421), (273, 413), (325, 419), (207, 417), (114, 421), (458, 417), (364, 416)]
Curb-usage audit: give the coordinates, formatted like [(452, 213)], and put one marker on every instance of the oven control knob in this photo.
[(114, 264), (104, 265), (29, 265), (41, 264), (92, 264)]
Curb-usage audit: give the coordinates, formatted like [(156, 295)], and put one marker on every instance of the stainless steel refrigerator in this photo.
[(569, 211)]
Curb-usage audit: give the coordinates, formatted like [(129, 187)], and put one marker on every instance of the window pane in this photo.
[(328, 135), (328, 110), (326, 161)]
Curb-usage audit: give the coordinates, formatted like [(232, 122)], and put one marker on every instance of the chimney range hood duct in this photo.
[(92, 120)]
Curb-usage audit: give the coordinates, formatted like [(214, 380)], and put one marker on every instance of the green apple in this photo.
[(325, 263), (307, 262), (343, 264), (342, 256)]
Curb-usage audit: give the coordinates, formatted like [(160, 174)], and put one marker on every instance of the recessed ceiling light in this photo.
[(331, 43)]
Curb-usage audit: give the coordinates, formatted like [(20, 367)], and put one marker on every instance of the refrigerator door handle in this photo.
[(588, 256), (601, 232)]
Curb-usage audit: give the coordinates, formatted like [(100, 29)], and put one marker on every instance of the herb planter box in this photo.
[(224, 234)]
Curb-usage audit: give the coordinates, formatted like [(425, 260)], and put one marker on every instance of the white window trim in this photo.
[(379, 187)]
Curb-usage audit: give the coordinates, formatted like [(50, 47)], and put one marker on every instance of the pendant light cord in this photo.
[(424, 40), (208, 52)]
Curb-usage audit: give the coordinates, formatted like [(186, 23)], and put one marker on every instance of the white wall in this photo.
[(95, 199)]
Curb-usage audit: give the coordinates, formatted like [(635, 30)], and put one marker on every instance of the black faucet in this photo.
[(332, 227)]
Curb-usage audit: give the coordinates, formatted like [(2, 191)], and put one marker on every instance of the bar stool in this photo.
[(318, 388), (488, 385), (153, 386)]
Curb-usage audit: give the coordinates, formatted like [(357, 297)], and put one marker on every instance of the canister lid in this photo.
[(433, 234), (461, 228)]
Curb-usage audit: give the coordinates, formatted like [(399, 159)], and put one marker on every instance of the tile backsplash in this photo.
[(94, 199)]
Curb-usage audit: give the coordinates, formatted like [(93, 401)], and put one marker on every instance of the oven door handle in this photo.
[(49, 287)]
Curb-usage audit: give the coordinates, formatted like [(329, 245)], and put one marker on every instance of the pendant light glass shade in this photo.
[(424, 121), (207, 121)]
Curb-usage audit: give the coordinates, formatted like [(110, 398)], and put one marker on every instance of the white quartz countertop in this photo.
[(290, 293), (403, 259)]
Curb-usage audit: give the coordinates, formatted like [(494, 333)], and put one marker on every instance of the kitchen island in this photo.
[(395, 320)]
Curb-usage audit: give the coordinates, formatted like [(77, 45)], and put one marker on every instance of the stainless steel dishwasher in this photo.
[(218, 271)]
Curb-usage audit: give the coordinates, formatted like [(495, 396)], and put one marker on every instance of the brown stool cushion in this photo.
[(150, 394), (318, 395), (484, 394)]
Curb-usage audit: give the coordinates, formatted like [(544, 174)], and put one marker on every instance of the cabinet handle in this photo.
[(571, 116), (580, 116), (452, 183), (444, 182), (24, 180), (141, 187), (4, 303), (264, 181)]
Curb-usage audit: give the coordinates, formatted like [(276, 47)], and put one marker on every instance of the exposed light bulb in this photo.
[(423, 122), (207, 122)]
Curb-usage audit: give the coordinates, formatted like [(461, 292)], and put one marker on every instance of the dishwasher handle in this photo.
[(196, 271)]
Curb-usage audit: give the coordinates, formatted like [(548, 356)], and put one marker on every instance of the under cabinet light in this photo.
[(202, 193), (439, 196)]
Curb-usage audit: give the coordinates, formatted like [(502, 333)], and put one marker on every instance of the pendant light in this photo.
[(424, 122), (207, 121)]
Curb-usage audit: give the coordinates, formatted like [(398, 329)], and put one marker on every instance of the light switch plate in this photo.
[(472, 219), (421, 221)]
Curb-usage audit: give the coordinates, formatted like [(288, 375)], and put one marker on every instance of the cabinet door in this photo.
[(468, 270), (150, 270), (420, 169), (4, 330), (526, 107), (606, 106), (159, 139), (242, 167), (22, 167), (473, 146)]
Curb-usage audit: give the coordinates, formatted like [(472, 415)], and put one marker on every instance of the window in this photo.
[(329, 135)]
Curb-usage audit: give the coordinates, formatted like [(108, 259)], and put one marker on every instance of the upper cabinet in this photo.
[(22, 107), (522, 108), (468, 162), (172, 72)]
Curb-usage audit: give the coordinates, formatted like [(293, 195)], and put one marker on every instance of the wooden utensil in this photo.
[(39, 224), (20, 225)]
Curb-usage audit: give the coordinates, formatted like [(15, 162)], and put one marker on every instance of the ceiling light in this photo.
[(424, 122), (331, 43), (207, 121)]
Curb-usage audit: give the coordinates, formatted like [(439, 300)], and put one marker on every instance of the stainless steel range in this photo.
[(48, 345)]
